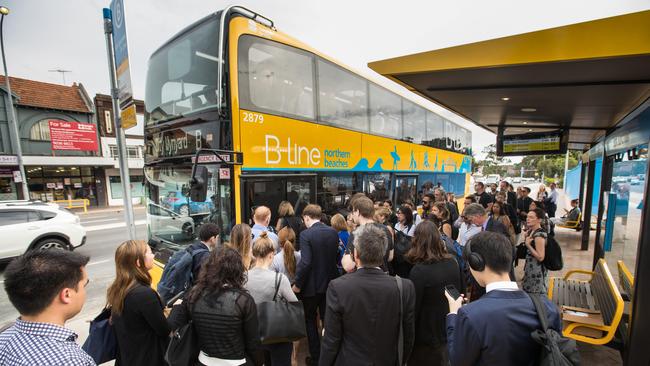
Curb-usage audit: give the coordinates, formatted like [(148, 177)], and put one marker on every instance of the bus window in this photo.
[(376, 186), (435, 131), (405, 190), (298, 194), (414, 122), (385, 112), (275, 78), (182, 76), (343, 98), (334, 191)]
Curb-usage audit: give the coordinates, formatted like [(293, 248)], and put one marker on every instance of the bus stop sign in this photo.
[(121, 51)]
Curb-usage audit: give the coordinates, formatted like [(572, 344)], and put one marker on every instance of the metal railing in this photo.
[(76, 203)]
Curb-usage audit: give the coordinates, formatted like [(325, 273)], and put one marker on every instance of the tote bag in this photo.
[(280, 321), (101, 343), (183, 348)]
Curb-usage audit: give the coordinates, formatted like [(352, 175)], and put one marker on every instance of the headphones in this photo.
[(475, 260)]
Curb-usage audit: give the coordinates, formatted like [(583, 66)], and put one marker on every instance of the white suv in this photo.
[(26, 225)]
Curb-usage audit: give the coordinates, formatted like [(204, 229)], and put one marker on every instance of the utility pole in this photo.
[(13, 120), (119, 132)]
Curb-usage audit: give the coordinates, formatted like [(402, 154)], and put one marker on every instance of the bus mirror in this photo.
[(199, 184)]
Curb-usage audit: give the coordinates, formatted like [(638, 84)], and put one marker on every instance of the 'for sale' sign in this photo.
[(73, 136)]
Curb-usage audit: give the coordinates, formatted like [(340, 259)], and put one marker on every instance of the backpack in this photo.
[(177, 275), (402, 244), (553, 255), (556, 349)]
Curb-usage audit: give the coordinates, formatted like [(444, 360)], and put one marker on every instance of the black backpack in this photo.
[(402, 245), (553, 255), (556, 349), (177, 275)]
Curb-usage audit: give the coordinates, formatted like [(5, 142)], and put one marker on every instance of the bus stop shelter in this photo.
[(583, 87)]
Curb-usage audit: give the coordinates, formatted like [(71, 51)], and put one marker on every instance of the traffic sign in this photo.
[(127, 117), (121, 52)]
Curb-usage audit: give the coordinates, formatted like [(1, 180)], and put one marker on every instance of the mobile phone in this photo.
[(171, 301), (452, 291)]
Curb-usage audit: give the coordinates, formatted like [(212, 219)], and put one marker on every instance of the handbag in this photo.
[(280, 321), (183, 348), (101, 343), (521, 251)]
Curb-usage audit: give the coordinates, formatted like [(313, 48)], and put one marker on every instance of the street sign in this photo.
[(73, 136), (127, 117), (121, 51), (18, 178)]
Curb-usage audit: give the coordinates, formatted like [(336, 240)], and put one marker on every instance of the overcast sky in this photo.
[(42, 35)]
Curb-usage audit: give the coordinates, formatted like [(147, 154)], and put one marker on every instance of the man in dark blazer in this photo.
[(495, 330), (511, 196), (362, 322), (479, 217), (319, 245)]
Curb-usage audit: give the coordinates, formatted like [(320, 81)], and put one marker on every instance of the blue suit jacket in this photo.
[(319, 246), (495, 330)]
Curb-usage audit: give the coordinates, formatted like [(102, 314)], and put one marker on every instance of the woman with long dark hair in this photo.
[(223, 313), (405, 220), (441, 218), (535, 274), (433, 269), (498, 213), (137, 312)]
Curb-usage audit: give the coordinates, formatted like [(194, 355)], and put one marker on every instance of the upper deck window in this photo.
[(414, 122), (182, 75), (276, 78), (435, 130), (385, 112), (343, 97)]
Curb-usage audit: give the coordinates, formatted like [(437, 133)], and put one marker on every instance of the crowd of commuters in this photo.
[(374, 286)]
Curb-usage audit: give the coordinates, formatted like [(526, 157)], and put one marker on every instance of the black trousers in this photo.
[(313, 305)]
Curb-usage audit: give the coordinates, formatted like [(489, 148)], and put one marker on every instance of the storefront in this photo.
[(9, 189), (53, 183), (115, 191)]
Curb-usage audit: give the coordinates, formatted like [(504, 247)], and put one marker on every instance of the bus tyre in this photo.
[(52, 243), (184, 210)]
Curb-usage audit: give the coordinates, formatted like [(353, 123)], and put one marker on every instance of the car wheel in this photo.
[(51, 243), (184, 210)]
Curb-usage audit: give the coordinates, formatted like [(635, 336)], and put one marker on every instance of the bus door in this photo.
[(406, 187), (270, 190)]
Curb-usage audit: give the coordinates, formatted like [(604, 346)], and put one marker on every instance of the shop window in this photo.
[(137, 186), (40, 131)]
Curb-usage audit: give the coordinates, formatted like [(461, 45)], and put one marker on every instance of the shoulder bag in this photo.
[(280, 321), (400, 339), (101, 343), (183, 348)]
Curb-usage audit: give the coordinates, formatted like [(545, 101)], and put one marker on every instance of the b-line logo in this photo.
[(290, 153)]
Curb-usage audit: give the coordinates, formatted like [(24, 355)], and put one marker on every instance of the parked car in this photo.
[(27, 225), (177, 202), (516, 180), (492, 179)]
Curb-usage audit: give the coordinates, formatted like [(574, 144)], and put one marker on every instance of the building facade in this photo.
[(134, 150), (62, 161)]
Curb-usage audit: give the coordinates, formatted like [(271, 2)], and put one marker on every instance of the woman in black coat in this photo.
[(433, 269), (140, 326)]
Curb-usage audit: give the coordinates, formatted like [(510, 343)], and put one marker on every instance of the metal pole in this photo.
[(119, 132), (13, 121), (566, 169)]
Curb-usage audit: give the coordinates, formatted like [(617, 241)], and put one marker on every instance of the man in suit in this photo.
[(319, 246), (478, 216), (511, 196), (495, 330), (362, 322)]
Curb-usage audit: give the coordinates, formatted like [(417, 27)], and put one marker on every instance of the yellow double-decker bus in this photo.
[(239, 114)]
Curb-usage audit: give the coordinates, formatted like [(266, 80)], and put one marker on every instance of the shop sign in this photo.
[(8, 160), (51, 185), (59, 185), (6, 173), (77, 185), (66, 181), (18, 178), (73, 136)]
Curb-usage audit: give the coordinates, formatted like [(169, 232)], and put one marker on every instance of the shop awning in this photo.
[(68, 161), (584, 77)]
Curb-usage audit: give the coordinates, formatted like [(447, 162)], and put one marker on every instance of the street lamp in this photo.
[(13, 121)]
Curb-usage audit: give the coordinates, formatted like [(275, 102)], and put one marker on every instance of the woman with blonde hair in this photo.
[(141, 329), (287, 217), (286, 260), (241, 237), (262, 280)]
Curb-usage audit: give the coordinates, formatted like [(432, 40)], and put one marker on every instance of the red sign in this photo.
[(73, 136)]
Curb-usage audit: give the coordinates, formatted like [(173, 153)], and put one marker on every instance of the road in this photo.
[(105, 231)]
